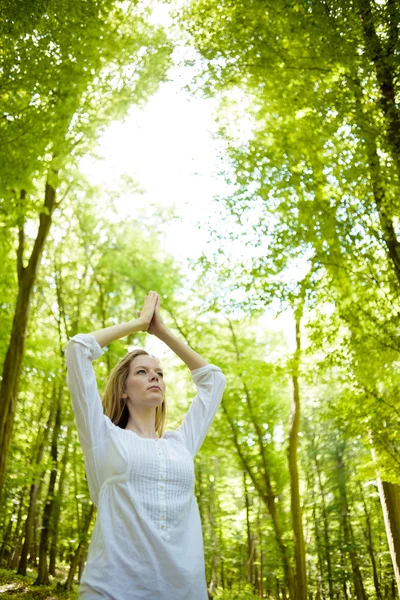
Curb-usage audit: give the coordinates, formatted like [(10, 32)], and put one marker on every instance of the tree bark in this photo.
[(80, 550), (45, 532), (212, 520), (383, 60), (15, 351), (297, 519), (369, 133), (328, 550), (250, 542), (58, 503), (370, 545), (266, 494), (347, 530), (390, 500), (34, 489)]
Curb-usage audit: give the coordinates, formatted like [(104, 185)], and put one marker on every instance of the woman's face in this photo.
[(145, 376)]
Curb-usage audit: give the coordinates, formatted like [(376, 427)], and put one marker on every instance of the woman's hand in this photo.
[(157, 325), (147, 312)]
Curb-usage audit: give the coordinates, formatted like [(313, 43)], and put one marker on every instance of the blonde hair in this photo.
[(114, 406)]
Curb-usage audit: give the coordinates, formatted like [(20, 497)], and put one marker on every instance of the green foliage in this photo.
[(308, 204), (22, 588)]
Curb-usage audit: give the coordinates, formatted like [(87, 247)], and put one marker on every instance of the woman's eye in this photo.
[(162, 374), (141, 371)]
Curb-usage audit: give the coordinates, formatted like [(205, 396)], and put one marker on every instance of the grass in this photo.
[(20, 587)]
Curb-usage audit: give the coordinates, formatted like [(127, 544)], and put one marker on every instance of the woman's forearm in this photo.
[(185, 353), (115, 332)]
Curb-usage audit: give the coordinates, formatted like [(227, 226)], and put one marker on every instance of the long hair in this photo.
[(114, 406)]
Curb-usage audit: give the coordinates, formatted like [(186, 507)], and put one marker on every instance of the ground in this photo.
[(18, 587)]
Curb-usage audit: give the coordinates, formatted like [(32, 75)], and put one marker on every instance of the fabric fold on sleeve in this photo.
[(94, 427), (210, 383)]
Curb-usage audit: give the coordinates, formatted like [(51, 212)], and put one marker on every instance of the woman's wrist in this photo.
[(163, 332)]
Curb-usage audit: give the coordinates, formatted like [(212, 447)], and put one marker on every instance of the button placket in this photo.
[(161, 488)]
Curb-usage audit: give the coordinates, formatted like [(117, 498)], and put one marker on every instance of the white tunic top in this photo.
[(147, 540)]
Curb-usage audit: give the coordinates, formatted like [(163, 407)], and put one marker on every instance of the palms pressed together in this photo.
[(151, 313)]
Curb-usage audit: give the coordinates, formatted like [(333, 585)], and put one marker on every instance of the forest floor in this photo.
[(19, 587)]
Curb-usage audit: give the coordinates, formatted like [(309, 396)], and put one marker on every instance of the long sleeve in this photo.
[(94, 427), (210, 383)]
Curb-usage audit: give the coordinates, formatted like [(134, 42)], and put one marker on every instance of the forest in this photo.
[(295, 297)]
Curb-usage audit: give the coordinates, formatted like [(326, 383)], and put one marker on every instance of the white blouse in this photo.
[(147, 541)]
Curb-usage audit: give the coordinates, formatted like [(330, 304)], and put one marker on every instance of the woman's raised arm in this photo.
[(115, 332), (158, 328)]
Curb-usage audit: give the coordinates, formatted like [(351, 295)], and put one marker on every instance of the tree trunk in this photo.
[(265, 493), (58, 503), (384, 61), (76, 559), (6, 541), (297, 520), (370, 545), (212, 520), (259, 533), (390, 500), (250, 541), (268, 497), (43, 575), (15, 351), (34, 489), (221, 545), (320, 581), (383, 205), (325, 520), (347, 530), (17, 536)]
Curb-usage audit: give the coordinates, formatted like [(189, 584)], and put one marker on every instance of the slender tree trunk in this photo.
[(15, 351), (80, 550), (297, 520), (317, 535), (17, 536), (6, 541), (221, 560), (43, 575), (34, 489), (389, 494), (325, 520), (58, 504), (259, 534), (370, 544), (256, 583), (344, 572), (347, 530), (250, 541), (212, 520), (390, 500)]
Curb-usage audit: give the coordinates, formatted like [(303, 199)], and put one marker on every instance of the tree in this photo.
[(57, 71)]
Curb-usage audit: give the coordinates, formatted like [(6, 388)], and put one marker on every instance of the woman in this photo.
[(147, 540)]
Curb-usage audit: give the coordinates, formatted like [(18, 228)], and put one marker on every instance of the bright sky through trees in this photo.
[(167, 147)]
